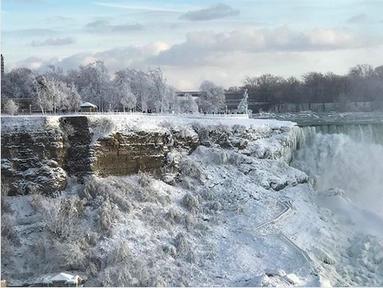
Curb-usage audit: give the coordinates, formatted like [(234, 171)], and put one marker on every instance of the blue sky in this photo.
[(223, 41)]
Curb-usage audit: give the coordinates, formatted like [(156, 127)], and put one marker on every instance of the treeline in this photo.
[(125, 90), (362, 83), (135, 90)]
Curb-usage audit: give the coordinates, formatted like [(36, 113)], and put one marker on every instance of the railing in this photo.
[(187, 115)]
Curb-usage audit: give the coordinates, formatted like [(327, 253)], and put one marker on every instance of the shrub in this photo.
[(144, 179), (108, 215), (8, 223), (190, 202), (120, 253), (117, 276), (190, 168), (4, 189), (173, 215), (37, 202), (118, 199), (62, 216), (183, 247), (124, 270), (72, 256)]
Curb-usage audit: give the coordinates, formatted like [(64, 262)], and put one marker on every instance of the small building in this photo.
[(88, 107), (57, 280), (65, 280)]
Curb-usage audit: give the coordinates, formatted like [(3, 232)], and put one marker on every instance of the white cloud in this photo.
[(227, 58), (104, 26), (114, 59), (359, 18), (30, 32), (201, 48), (53, 42), (213, 12), (150, 8)]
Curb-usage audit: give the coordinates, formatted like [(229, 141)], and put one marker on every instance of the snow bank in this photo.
[(28, 123), (148, 123)]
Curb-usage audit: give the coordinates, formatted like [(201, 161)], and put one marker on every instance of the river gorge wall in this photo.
[(215, 189), (40, 154)]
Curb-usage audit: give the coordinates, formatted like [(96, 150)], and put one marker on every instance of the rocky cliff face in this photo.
[(39, 154), (32, 156)]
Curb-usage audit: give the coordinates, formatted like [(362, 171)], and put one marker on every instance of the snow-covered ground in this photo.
[(217, 216)]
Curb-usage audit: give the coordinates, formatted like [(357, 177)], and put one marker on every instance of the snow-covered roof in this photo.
[(64, 277), (61, 277), (87, 104)]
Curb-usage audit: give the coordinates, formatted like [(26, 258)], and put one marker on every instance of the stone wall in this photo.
[(32, 157)]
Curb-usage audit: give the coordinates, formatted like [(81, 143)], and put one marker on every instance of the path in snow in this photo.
[(244, 254), (287, 206)]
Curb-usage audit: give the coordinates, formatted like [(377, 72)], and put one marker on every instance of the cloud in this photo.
[(206, 48), (114, 59), (213, 12), (202, 48), (26, 1), (59, 19), (53, 42), (227, 58), (104, 26), (359, 18), (33, 63), (31, 32), (141, 8)]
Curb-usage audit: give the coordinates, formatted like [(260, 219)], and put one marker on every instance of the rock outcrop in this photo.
[(39, 154)]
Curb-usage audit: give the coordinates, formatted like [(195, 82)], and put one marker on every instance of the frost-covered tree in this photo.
[(19, 83), (10, 107), (150, 89), (171, 97), (93, 84), (55, 95), (212, 99), (128, 99), (74, 98), (55, 73), (138, 82), (44, 95), (158, 99), (187, 104), (243, 105)]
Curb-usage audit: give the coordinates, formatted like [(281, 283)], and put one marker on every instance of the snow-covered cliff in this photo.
[(173, 201), (40, 153)]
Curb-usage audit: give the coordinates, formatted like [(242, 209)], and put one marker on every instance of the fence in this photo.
[(196, 115)]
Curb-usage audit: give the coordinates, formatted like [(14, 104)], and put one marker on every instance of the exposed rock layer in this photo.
[(39, 154)]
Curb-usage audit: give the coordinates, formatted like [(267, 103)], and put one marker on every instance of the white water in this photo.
[(346, 168), (352, 162)]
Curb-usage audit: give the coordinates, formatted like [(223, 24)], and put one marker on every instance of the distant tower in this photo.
[(2, 65)]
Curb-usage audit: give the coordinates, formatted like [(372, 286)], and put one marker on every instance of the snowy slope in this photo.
[(230, 212)]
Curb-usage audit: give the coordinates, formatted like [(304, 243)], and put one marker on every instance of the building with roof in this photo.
[(57, 280), (88, 107)]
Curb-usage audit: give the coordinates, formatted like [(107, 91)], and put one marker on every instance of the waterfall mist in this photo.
[(349, 158)]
